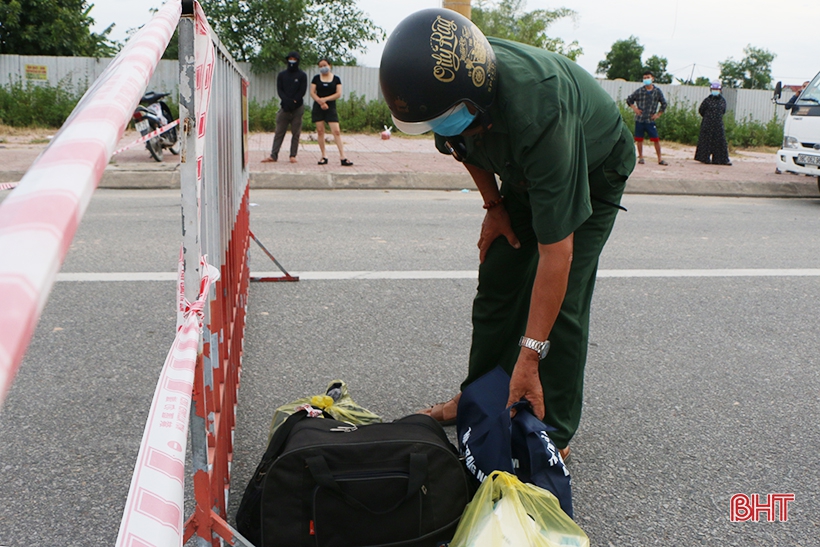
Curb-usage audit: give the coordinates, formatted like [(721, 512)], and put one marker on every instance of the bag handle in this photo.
[(277, 442), (417, 474)]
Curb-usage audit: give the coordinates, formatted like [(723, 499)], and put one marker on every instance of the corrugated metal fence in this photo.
[(747, 104), (79, 72)]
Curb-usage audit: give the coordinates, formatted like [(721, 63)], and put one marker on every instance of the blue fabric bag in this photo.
[(491, 441)]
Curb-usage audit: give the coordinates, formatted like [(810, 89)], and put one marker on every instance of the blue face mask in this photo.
[(324, 69), (715, 92), (452, 125), (647, 81)]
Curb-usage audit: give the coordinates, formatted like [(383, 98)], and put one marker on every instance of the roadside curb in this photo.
[(682, 187), (151, 177)]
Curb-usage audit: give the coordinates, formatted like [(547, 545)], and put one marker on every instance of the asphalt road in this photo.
[(698, 387)]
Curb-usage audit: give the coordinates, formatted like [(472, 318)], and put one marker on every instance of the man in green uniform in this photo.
[(556, 140)]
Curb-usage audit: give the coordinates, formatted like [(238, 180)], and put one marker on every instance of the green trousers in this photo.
[(501, 307)]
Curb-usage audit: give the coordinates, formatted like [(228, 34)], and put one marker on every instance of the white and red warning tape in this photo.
[(148, 136), (153, 515), (153, 512), (39, 217), (8, 185)]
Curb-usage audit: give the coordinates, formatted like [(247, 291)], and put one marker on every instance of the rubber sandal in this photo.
[(641, 161), (347, 163), (437, 411), (662, 162), (323, 161), (269, 160), (565, 453)]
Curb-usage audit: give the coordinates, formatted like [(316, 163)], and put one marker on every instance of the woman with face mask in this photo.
[(712, 147), (325, 88)]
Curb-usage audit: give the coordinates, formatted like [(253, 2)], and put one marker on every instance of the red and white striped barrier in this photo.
[(38, 219), (154, 509), (205, 62), (148, 137), (8, 185)]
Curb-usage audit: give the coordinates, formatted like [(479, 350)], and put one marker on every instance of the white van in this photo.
[(801, 132)]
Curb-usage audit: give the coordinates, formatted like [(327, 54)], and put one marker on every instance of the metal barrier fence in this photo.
[(199, 381), (224, 229), (215, 223)]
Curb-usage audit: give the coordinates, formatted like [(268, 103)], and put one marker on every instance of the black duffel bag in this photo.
[(325, 483)]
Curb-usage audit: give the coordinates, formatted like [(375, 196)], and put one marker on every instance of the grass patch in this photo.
[(28, 106), (356, 115), (681, 123), (37, 105), (758, 149)]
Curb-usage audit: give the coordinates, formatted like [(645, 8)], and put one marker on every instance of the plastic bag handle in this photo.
[(417, 474)]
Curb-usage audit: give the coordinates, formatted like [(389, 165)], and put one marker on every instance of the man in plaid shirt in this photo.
[(644, 101)]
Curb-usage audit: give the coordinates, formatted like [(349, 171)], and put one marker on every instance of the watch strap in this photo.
[(541, 348)]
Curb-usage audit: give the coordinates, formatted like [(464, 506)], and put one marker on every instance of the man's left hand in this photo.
[(496, 223), (656, 116), (525, 383)]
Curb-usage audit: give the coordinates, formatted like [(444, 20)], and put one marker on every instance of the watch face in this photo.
[(542, 348)]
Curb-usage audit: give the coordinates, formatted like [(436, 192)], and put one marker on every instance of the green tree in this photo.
[(658, 67), (754, 71), (623, 61), (262, 32), (51, 27), (172, 51), (507, 19)]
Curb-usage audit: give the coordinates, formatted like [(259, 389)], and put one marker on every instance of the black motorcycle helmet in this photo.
[(435, 60)]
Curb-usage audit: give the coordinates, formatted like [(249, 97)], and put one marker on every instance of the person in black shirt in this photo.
[(291, 85), (325, 88), (712, 147)]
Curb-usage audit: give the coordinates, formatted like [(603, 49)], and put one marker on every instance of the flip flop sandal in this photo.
[(437, 412), (323, 161), (662, 162), (641, 161), (347, 163), (565, 453)]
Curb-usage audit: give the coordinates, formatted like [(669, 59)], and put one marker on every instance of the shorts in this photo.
[(319, 115), (647, 127)]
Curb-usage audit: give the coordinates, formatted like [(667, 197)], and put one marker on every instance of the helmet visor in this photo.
[(455, 116)]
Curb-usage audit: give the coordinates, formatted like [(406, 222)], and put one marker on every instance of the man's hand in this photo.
[(637, 110), (525, 383), (496, 223), (656, 116)]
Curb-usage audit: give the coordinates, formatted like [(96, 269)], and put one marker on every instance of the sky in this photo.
[(694, 35)]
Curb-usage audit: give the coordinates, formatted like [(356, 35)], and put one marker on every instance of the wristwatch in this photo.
[(541, 348)]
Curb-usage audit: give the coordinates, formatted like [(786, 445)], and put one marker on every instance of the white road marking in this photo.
[(447, 274)]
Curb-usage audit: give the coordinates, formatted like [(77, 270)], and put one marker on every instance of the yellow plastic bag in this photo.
[(506, 512), (336, 401)]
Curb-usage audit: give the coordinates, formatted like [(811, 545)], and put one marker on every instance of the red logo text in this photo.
[(774, 508)]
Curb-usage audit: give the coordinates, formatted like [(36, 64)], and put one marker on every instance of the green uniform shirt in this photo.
[(552, 124)]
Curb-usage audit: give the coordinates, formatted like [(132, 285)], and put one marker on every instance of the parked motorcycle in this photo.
[(151, 114)]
